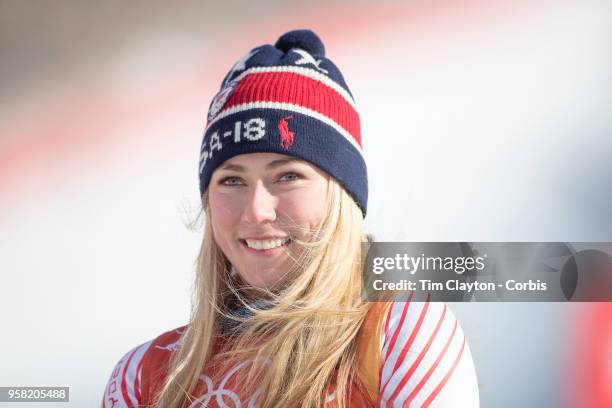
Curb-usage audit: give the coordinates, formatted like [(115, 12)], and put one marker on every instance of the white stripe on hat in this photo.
[(307, 72)]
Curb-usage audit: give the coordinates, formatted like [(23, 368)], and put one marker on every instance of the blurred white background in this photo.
[(482, 121)]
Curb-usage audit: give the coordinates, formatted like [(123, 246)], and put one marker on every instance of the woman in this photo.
[(279, 319)]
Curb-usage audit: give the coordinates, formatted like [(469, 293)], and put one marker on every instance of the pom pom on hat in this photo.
[(303, 39)]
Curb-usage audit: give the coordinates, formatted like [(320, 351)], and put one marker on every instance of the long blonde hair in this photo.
[(308, 338)]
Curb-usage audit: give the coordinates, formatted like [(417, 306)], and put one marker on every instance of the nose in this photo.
[(260, 206)]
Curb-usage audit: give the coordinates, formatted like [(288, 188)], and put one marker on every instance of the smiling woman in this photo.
[(258, 216), (278, 318)]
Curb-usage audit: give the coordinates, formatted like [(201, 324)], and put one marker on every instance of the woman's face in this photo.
[(257, 203)]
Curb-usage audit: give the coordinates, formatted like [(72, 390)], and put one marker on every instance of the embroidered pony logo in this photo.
[(285, 134)]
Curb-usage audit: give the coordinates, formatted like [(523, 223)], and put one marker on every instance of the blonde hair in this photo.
[(308, 338)]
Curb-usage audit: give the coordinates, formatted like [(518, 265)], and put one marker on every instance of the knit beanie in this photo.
[(288, 99)]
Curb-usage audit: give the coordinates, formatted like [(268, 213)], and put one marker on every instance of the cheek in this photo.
[(224, 214), (305, 208)]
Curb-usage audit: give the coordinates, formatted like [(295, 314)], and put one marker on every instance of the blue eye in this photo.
[(231, 181), (291, 176)]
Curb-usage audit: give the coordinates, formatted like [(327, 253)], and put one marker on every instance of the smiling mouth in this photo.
[(265, 244)]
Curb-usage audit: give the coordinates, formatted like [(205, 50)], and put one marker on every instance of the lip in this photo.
[(264, 237), (265, 252)]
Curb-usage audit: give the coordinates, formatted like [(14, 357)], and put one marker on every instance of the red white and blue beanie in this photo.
[(288, 99)]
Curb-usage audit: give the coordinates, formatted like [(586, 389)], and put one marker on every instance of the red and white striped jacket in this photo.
[(411, 354)]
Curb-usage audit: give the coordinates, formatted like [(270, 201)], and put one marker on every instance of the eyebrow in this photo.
[(272, 165)]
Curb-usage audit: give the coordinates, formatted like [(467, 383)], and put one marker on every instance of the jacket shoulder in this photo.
[(139, 370), (425, 359)]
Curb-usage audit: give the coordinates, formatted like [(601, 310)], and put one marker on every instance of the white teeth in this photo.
[(265, 244)]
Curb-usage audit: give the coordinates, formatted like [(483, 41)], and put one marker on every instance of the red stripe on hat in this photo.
[(297, 89)]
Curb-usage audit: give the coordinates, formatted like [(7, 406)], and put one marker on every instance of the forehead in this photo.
[(269, 160)]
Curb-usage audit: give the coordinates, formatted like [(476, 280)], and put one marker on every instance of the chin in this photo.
[(261, 282)]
